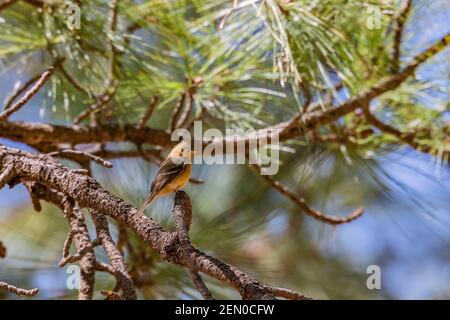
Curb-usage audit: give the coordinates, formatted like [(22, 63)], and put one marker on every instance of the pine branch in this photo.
[(88, 193)]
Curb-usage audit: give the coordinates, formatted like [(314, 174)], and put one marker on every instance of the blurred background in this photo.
[(405, 229)]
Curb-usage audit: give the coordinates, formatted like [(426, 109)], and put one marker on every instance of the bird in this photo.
[(172, 175)]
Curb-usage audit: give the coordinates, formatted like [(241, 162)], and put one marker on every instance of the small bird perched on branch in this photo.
[(173, 174)]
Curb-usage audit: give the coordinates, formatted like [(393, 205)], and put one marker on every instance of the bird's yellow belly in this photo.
[(177, 183)]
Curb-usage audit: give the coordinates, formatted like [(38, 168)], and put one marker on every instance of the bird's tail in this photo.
[(147, 202)]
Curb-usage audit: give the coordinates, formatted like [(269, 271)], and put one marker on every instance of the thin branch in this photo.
[(399, 24), (405, 137), (28, 95), (68, 242), (2, 250), (143, 122), (111, 29), (184, 116), (72, 258), (286, 293), (20, 292), (103, 267), (81, 154), (115, 257), (72, 81), (101, 101), (176, 111), (111, 295), (21, 90), (196, 181), (304, 206)]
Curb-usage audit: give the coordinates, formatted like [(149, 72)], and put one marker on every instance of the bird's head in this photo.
[(182, 151)]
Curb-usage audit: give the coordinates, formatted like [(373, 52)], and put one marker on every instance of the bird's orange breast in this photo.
[(178, 182)]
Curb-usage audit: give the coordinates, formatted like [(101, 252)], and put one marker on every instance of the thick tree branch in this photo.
[(182, 213), (88, 193)]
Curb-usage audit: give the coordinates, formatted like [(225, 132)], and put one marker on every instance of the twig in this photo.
[(115, 257), (405, 137), (18, 291), (286, 293), (111, 29), (103, 267), (149, 113), (21, 90), (177, 110), (86, 155), (71, 258), (184, 116), (111, 295), (400, 20), (68, 242), (74, 82), (196, 181), (150, 156), (28, 95), (101, 101), (2, 250), (304, 206)]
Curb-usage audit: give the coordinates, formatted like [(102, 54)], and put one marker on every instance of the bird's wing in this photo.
[(168, 171)]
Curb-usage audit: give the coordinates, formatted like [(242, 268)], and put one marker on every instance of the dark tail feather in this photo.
[(147, 203)]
